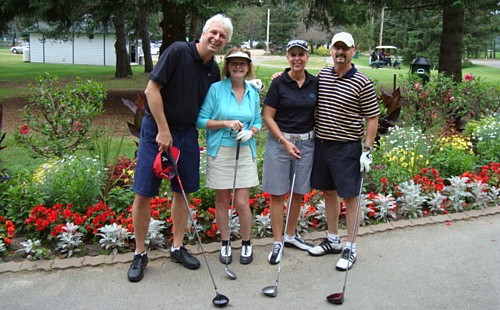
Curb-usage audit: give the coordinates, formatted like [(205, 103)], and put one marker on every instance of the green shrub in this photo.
[(485, 135), (71, 180), (322, 51), (453, 155), (59, 121), (442, 103), (18, 195), (401, 155)]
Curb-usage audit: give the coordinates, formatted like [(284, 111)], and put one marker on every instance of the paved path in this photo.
[(443, 262), (495, 63)]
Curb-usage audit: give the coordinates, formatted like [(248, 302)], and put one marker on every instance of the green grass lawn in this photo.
[(16, 75)]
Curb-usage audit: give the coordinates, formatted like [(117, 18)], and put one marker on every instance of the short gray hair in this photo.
[(222, 19)]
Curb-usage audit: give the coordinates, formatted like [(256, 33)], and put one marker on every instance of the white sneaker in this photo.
[(326, 247), (246, 256), (225, 254), (297, 242), (276, 253), (346, 260)]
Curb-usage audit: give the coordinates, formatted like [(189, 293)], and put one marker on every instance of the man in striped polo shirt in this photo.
[(346, 100)]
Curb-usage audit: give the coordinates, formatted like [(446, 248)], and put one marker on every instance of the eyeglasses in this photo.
[(299, 43), (344, 48), (238, 63)]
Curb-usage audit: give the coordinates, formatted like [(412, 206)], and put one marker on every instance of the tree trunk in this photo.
[(123, 68), (142, 23), (173, 24), (450, 52)]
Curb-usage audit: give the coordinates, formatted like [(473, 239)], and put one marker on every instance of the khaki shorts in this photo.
[(220, 169)]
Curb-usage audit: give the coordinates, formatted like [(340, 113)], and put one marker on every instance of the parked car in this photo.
[(19, 49)]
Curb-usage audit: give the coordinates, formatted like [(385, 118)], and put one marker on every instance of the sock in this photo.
[(225, 242), (289, 238), (245, 242), (142, 253), (174, 249), (333, 237), (348, 246)]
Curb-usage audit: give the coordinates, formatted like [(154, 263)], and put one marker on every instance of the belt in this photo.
[(299, 136), (149, 116), (335, 142)]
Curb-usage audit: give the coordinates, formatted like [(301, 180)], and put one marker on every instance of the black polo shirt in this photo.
[(185, 80), (295, 107)]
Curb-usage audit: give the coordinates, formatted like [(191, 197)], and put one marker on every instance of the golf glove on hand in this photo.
[(257, 83), (365, 161), (244, 135)]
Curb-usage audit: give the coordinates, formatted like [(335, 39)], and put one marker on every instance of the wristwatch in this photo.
[(368, 148)]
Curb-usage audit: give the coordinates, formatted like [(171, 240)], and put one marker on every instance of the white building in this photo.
[(80, 49)]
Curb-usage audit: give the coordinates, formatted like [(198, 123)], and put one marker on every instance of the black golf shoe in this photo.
[(136, 270), (182, 256), (246, 256)]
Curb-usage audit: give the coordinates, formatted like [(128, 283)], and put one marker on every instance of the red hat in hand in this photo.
[(163, 164)]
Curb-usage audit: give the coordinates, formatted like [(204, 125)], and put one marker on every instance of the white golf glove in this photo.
[(244, 135), (257, 83), (365, 161)]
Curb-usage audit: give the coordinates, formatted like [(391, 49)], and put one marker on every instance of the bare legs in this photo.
[(278, 215), (223, 200), (141, 215), (332, 210)]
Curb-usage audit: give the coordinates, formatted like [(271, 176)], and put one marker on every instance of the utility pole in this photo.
[(380, 40), (267, 39)]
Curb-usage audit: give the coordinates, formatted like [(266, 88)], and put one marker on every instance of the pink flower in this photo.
[(468, 77), (417, 86), (24, 129)]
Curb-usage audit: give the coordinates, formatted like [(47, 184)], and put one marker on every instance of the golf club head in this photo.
[(220, 301), (270, 291), (336, 298), (230, 274)]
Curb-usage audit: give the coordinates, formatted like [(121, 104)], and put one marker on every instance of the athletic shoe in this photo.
[(246, 256), (347, 259), (275, 255), (136, 270), (183, 257), (225, 254), (326, 247), (299, 243)]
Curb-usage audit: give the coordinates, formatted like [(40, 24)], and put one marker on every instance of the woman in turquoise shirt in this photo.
[(231, 113)]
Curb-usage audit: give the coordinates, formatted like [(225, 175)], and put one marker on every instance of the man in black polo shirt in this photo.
[(175, 92)]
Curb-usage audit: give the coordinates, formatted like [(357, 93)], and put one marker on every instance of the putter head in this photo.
[(336, 298), (220, 301), (230, 274), (271, 291)]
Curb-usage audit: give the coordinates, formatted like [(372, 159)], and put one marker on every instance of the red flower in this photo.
[(24, 129), (468, 77)]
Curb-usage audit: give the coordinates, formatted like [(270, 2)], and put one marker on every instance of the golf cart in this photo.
[(384, 56)]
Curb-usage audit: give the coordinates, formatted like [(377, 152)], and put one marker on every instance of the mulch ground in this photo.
[(116, 114)]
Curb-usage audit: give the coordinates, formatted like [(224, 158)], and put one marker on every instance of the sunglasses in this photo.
[(293, 43)]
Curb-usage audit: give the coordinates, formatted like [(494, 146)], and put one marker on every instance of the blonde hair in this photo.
[(225, 69)]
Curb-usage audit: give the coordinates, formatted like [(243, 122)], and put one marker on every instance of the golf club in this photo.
[(338, 298), (228, 272), (219, 300), (272, 290)]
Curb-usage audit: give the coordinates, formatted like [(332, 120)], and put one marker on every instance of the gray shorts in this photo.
[(277, 171)]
